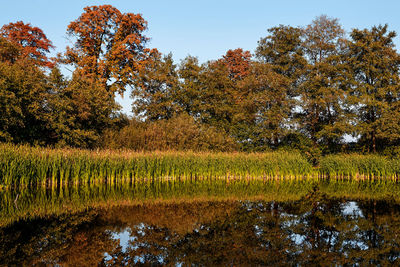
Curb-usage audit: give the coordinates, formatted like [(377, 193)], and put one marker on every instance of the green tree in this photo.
[(155, 91), (267, 105), (375, 90), (82, 110), (283, 49), (23, 97), (322, 92)]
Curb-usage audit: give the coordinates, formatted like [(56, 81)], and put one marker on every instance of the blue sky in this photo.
[(206, 29)]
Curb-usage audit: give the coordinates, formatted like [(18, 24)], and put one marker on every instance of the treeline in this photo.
[(313, 88)]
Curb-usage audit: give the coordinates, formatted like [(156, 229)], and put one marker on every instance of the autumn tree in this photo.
[(32, 41), (109, 46), (237, 62), (375, 92)]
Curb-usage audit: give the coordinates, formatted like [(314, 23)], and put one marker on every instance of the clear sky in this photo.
[(205, 28)]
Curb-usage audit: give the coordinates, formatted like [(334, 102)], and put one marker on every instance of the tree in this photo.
[(283, 49), (267, 104), (375, 92), (281, 52), (32, 41), (23, 97), (322, 117), (109, 47), (155, 91), (81, 110), (238, 63)]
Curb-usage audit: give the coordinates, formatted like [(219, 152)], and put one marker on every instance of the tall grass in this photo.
[(27, 166), (360, 167)]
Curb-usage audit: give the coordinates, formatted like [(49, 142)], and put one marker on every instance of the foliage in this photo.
[(32, 41), (322, 117), (308, 88), (178, 133), (82, 110), (375, 67), (109, 46), (24, 95)]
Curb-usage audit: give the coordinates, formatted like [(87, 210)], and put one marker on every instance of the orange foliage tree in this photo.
[(33, 42), (109, 47), (238, 63)]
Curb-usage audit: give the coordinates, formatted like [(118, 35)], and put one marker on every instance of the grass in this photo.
[(27, 166), (24, 166), (360, 167)]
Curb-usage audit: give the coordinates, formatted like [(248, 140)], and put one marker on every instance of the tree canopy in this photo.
[(308, 88)]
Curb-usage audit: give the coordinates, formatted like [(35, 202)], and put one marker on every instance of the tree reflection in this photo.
[(317, 230)]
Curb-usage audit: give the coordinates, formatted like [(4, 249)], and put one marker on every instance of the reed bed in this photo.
[(30, 166), (360, 167), (27, 166)]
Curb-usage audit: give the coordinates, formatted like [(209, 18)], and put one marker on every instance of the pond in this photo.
[(301, 223)]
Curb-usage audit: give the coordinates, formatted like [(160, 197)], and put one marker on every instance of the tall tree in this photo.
[(322, 94), (281, 51), (267, 106), (32, 40), (191, 86), (222, 100), (109, 47), (375, 92)]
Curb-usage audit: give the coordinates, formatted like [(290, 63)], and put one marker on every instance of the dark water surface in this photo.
[(107, 226)]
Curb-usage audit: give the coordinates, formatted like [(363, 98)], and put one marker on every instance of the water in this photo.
[(321, 224)]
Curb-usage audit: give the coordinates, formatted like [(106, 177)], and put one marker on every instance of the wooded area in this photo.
[(308, 88)]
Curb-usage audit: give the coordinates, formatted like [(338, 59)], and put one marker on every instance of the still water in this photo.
[(310, 226)]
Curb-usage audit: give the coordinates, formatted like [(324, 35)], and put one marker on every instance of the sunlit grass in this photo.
[(24, 166), (360, 167)]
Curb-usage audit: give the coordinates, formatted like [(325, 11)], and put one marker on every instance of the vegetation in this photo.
[(309, 88), (22, 166), (27, 166)]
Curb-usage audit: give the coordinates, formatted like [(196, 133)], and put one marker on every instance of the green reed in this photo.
[(360, 167), (31, 166), (25, 166)]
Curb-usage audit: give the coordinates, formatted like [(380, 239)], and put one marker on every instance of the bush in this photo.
[(178, 133)]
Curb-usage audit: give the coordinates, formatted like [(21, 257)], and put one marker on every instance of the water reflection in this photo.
[(314, 230)]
